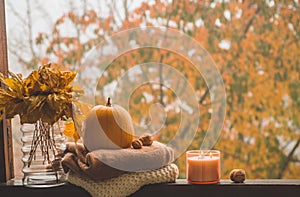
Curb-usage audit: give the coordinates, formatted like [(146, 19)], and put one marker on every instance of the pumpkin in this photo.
[(108, 127)]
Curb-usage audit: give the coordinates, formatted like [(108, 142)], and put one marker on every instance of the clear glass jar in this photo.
[(43, 146)]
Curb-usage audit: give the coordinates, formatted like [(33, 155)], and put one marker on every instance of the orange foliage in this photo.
[(260, 68)]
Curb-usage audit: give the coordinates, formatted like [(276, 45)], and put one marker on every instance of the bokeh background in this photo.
[(255, 45)]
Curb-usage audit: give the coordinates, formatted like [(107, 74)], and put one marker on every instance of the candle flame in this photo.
[(210, 154), (201, 155)]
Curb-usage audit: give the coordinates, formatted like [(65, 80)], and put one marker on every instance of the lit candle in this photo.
[(203, 166)]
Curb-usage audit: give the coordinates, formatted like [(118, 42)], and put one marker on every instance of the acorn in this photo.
[(137, 144), (238, 175), (147, 140)]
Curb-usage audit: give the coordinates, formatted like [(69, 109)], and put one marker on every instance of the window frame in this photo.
[(6, 147)]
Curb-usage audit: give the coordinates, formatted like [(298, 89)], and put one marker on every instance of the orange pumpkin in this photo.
[(108, 127)]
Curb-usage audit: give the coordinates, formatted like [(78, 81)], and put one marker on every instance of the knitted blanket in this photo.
[(104, 164), (125, 184)]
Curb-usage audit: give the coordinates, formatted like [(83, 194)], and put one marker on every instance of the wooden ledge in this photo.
[(267, 187)]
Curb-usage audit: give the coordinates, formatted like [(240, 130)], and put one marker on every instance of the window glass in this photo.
[(254, 44)]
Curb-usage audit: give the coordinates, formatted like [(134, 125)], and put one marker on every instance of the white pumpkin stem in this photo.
[(108, 102)]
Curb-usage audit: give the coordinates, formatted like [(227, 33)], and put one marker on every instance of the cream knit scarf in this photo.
[(125, 184)]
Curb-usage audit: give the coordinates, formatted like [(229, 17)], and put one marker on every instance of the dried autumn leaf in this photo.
[(69, 128), (76, 136), (46, 95), (68, 78), (49, 115), (14, 107), (49, 78), (16, 76), (31, 83), (14, 85), (27, 116), (54, 101), (5, 97), (77, 89), (35, 102)]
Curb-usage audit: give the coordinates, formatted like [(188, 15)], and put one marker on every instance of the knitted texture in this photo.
[(125, 184)]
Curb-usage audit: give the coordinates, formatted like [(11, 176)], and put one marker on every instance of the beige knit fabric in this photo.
[(126, 184)]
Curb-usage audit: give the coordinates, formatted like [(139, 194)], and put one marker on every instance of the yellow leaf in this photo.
[(76, 137), (69, 129), (66, 78), (15, 86), (35, 102)]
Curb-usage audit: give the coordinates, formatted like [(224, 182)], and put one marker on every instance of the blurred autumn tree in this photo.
[(256, 47)]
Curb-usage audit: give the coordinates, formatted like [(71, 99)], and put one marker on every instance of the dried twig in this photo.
[(43, 136)]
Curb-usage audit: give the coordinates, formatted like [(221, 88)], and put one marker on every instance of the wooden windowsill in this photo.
[(267, 187)]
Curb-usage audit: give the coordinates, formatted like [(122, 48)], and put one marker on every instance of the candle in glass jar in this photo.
[(203, 166)]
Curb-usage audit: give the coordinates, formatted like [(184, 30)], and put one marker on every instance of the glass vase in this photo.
[(43, 147)]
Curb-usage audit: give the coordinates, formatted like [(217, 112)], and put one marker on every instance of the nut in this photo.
[(137, 144), (238, 175), (147, 140)]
